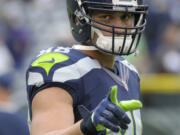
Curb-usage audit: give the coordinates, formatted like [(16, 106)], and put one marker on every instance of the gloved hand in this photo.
[(108, 114)]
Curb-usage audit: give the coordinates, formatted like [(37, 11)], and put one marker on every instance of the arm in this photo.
[(52, 113)]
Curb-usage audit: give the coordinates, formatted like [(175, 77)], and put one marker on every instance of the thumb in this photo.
[(124, 105), (130, 105), (113, 94)]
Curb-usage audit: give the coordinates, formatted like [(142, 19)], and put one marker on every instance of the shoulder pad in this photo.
[(55, 66), (45, 62)]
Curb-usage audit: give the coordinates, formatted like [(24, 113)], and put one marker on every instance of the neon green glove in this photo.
[(127, 105)]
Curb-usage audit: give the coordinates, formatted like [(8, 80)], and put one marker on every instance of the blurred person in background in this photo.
[(10, 120), (6, 71), (162, 35), (168, 56), (19, 42), (18, 39), (12, 124), (161, 100), (60, 79), (18, 32), (158, 18), (168, 52)]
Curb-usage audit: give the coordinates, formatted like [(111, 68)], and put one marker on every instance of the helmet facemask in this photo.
[(128, 37)]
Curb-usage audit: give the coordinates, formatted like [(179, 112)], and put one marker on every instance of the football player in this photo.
[(89, 89)]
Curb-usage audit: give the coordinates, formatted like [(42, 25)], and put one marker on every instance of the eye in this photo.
[(126, 17), (105, 17)]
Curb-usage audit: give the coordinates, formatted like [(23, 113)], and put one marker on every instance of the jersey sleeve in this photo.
[(53, 69)]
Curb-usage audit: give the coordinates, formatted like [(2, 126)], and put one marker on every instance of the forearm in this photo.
[(73, 130)]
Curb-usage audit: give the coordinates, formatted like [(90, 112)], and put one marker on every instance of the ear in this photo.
[(76, 21)]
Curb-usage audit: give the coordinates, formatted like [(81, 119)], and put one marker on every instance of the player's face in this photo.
[(113, 18)]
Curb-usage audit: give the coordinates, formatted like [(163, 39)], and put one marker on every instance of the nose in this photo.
[(116, 21)]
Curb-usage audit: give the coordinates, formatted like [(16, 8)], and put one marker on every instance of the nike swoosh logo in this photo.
[(50, 61)]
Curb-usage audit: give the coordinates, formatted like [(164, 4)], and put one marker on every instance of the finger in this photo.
[(113, 119), (119, 113), (123, 125), (83, 111), (110, 116), (130, 105), (108, 124)]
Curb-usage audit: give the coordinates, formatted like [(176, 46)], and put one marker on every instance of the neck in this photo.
[(106, 60)]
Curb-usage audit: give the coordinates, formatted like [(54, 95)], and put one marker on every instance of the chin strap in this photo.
[(83, 47)]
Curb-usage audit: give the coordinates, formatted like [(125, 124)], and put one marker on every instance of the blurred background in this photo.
[(28, 26)]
